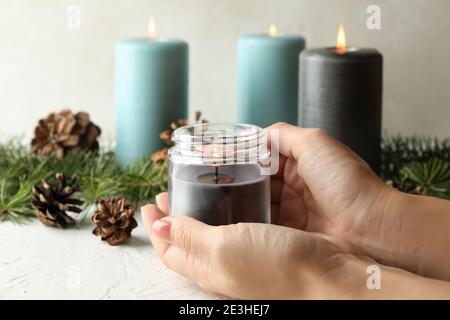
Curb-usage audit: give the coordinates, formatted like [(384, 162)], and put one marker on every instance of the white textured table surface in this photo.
[(39, 262)]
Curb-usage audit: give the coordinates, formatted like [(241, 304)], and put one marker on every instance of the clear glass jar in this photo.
[(216, 173)]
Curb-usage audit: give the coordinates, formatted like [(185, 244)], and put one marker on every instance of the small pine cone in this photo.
[(178, 124), (114, 220), (51, 202), (166, 137), (63, 132), (159, 156)]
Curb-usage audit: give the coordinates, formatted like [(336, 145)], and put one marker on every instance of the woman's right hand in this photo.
[(322, 186)]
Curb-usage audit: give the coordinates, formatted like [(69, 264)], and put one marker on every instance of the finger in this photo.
[(292, 139), (162, 201), (186, 233), (185, 264), (175, 258), (150, 214), (193, 268), (179, 251), (289, 137)]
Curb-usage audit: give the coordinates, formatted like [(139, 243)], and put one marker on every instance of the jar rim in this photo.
[(219, 143)]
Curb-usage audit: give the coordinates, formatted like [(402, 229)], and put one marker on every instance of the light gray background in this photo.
[(45, 66)]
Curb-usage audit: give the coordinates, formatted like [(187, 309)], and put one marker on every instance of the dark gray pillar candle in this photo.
[(341, 93)]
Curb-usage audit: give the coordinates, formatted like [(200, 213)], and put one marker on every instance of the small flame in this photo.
[(151, 28), (341, 43), (214, 152), (272, 30)]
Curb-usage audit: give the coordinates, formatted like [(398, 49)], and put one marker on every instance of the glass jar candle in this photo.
[(217, 173)]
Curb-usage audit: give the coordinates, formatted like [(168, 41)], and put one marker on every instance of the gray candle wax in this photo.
[(238, 194), (340, 92)]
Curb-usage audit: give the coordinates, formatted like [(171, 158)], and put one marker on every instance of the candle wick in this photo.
[(216, 174)]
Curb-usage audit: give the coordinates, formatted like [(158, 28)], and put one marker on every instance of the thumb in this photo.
[(186, 233)]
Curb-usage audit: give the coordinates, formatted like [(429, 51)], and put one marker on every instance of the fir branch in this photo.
[(398, 151), (15, 205), (429, 178), (98, 175)]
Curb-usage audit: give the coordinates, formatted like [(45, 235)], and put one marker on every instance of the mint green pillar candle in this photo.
[(151, 92), (267, 81)]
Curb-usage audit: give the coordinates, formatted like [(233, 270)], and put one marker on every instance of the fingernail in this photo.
[(161, 229)]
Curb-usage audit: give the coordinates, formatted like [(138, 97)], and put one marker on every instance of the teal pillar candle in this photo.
[(151, 92), (267, 89)]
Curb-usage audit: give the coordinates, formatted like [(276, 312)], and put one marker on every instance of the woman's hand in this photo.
[(322, 186), (261, 261), (248, 260)]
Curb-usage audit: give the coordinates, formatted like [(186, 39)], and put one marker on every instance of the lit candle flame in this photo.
[(151, 28), (341, 45), (273, 30), (214, 152)]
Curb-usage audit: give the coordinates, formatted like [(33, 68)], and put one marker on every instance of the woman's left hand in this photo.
[(251, 260)]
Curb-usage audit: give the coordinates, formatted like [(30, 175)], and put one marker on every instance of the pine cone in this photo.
[(64, 131), (178, 124), (114, 220), (52, 202), (160, 156), (166, 136)]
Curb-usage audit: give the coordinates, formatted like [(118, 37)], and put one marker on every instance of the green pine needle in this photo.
[(398, 151), (98, 176), (431, 178)]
